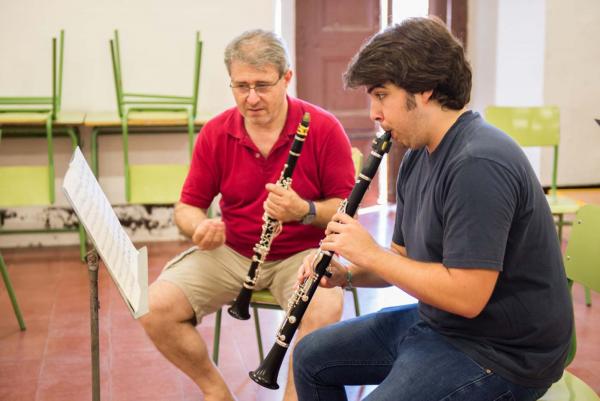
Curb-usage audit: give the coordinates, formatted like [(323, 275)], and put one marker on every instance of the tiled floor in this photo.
[(51, 360)]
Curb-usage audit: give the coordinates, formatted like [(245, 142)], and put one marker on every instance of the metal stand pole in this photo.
[(92, 261)]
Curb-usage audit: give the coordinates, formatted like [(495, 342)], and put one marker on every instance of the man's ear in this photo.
[(288, 76), (426, 96)]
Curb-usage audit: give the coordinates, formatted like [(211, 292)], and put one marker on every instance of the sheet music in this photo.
[(123, 261)]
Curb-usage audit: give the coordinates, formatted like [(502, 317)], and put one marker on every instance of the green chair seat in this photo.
[(570, 388), (563, 205), (156, 183), (25, 118), (24, 185), (263, 297), (154, 118)]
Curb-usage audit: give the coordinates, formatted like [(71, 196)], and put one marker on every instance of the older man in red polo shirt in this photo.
[(240, 154)]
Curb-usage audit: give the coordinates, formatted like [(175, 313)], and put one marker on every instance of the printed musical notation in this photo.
[(126, 265)]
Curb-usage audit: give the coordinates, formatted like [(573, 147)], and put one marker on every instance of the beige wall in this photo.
[(157, 51), (543, 52), (572, 81), (157, 46)]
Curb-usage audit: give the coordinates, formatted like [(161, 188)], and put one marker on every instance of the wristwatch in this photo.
[(312, 212)]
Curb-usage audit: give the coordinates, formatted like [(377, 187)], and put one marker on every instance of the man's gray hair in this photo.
[(258, 48)]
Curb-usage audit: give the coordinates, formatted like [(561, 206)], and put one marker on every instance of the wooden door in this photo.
[(328, 34)]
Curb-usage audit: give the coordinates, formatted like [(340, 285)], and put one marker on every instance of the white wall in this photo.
[(537, 52), (157, 46), (157, 51), (572, 82)]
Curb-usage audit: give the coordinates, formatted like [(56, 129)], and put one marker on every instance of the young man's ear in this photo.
[(426, 96)]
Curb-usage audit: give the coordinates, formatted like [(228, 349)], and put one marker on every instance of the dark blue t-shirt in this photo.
[(475, 202)]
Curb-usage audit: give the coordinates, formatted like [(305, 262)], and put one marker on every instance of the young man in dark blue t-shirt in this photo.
[(474, 242)]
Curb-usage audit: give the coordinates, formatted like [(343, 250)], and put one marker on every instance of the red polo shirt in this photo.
[(226, 161)]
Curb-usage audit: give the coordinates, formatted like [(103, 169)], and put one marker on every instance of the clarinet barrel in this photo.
[(266, 374)]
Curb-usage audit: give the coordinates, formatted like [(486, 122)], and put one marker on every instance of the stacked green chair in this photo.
[(33, 185), (36, 110), (538, 127), (263, 299), (582, 264), (11, 293), (154, 183)]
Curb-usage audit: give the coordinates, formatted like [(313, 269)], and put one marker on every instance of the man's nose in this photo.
[(253, 97), (375, 113)]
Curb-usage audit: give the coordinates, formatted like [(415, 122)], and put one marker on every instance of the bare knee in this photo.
[(167, 305), (325, 308)]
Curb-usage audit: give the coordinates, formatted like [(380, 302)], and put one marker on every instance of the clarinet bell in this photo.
[(239, 312), (266, 374), (240, 309)]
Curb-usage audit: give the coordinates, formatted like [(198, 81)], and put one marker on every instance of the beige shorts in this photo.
[(210, 279)]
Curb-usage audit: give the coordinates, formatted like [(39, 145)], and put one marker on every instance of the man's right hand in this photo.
[(209, 234)]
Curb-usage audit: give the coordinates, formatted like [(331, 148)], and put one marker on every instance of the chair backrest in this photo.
[(197, 65), (57, 73), (149, 99), (115, 54), (582, 256), (530, 126), (38, 104)]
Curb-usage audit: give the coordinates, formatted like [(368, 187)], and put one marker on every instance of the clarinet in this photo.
[(266, 374), (240, 309)]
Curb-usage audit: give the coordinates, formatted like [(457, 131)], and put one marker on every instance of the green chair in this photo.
[(265, 300), (37, 110), (21, 117), (153, 183), (11, 293), (538, 127), (582, 264)]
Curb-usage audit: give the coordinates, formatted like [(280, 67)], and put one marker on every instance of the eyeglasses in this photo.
[(260, 88)]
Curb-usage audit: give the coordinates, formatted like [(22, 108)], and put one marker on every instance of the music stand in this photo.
[(127, 266)]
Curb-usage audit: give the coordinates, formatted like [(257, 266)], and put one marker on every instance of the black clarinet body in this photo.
[(266, 374), (240, 309)]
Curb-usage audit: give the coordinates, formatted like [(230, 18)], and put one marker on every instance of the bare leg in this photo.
[(324, 308), (168, 326)]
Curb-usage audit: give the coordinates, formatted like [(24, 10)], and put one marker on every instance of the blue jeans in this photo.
[(404, 356)]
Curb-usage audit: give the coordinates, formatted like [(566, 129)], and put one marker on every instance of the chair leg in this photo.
[(217, 336), (190, 134), (356, 304), (261, 354), (588, 297), (11, 294), (560, 225), (50, 159), (82, 242), (125, 133)]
